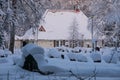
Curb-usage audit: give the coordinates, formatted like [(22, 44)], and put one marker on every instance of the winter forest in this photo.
[(60, 63)]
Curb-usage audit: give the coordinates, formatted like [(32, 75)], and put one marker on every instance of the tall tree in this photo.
[(12, 27), (74, 34)]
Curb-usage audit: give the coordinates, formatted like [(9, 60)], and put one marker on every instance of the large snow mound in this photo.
[(32, 49), (36, 54)]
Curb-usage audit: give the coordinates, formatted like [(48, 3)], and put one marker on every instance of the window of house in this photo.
[(56, 43)]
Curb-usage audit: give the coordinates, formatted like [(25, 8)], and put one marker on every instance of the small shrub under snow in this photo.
[(114, 57), (53, 53), (96, 57), (77, 57)]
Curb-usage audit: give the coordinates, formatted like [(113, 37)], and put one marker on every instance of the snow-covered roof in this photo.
[(57, 25)]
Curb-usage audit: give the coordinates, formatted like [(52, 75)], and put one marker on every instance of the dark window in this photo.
[(56, 43)]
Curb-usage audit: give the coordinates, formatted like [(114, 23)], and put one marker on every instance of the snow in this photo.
[(38, 54), (61, 67), (77, 57), (36, 51), (53, 53), (96, 56), (113, 57), (5, 53), (32, 49)]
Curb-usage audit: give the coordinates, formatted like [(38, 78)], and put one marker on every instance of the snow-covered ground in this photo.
[(85, 69)]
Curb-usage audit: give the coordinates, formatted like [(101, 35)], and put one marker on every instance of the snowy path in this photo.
[(20, 74), (104, 71), (86, 69)]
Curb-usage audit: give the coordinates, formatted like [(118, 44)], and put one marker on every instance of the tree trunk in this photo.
[(12, 38), (12, 31)]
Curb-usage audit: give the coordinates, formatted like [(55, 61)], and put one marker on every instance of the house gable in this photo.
[(42, 29)]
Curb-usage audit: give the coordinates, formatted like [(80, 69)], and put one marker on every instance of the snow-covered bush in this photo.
[(63, 49), (76, 50), (17, 51), (32, 49), (16, 60), (96, 57), (77, 57), (29, 56), (53, 53), (106, 50), (5, 53), (81, 58), (114, 57), (2, 53), (86, 50)]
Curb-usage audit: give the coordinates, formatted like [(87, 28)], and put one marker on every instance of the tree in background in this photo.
[(0, 40), (20, 15), (74, 34)]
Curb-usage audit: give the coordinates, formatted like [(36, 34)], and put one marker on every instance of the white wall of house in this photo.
[(18, 44), (46, 43), (51, 43)]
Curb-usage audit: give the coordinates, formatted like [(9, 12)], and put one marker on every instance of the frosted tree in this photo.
[(20, 15), (74, 34), (2, 16), (105, 13), (112, 23)]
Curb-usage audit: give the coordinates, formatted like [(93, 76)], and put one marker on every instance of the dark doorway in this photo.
[(25, 42), (30, 63)]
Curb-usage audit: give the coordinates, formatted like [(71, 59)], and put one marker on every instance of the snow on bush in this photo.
[(18, 51), (76, 50), (96, 57), (45, 67), (53, 53), (86, 50), (81, 58), (37, 54), (32, 49), (17, 57), (5, 53), (77, 57), (106, 50), (1, 52), (114, 57), (63, 49)]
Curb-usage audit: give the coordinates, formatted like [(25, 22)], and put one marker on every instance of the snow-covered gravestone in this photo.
[(29, 59), (33, 60)]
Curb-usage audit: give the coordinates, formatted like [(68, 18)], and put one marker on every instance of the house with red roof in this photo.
[(54, 30)]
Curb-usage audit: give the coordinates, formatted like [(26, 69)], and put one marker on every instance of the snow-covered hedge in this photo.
[(5, 53), (63, 49), (96, 57), (77, 57), (114, 57), (53, 53), (33, 58), (32, 49)]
